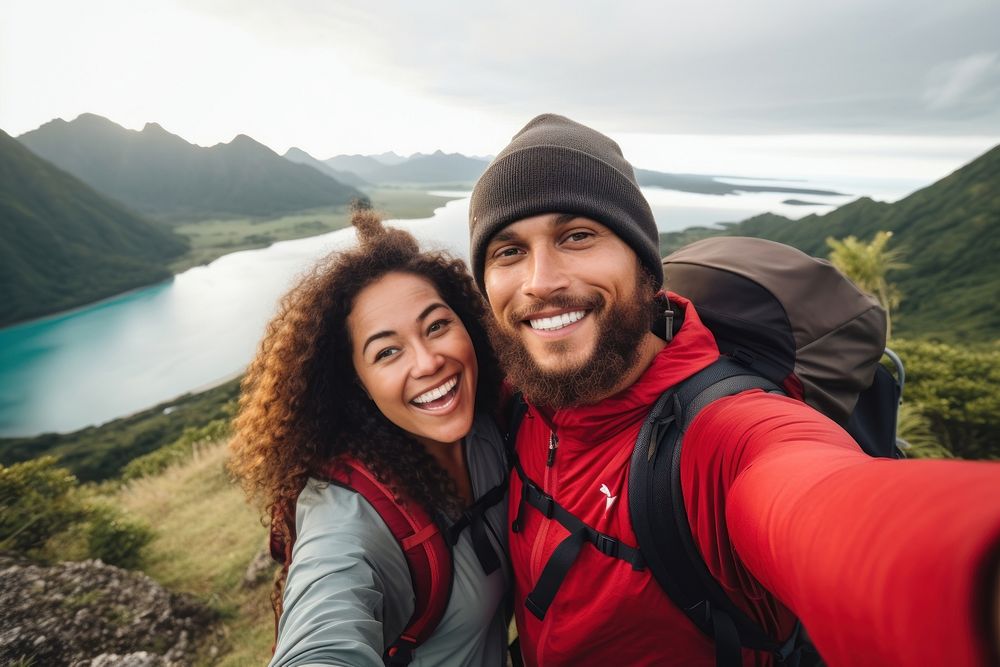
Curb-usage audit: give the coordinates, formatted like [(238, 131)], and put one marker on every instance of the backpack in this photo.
[(785, 323), (424, 540)]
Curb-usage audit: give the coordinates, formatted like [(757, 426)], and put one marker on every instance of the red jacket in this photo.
[(880, 559)]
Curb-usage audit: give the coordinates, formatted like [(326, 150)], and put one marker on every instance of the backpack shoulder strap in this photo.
[(424, 546), (660, 520)]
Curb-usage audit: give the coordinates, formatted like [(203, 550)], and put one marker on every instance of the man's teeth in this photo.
[(557, 322), (437, 392)]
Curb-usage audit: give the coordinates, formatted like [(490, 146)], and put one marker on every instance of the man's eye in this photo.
[(579, 236), (508, 251)]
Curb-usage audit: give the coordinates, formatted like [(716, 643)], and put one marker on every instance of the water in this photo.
[(125, 354)]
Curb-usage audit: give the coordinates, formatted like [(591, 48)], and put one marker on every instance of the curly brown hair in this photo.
[(301, 403)]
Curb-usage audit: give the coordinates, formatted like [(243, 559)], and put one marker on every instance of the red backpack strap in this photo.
[(427, 553)]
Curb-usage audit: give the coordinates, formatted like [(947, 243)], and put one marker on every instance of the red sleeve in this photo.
[(885, 562)]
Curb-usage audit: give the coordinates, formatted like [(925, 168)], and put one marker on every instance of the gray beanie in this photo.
[(556, 165)]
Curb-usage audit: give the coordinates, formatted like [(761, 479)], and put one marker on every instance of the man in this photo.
[(884, 562)]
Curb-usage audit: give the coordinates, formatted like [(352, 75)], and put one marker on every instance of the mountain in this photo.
[(361, 165), (160, 174), (438, 167), (299, 156), (418, 169), (390, 158), (62, 244), (950, 236)]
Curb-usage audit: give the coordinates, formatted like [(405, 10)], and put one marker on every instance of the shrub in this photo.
[(115, 539), (37, 501), (914, 430), (958, 391)]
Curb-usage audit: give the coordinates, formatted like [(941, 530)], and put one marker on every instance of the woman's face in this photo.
[(414, 358)]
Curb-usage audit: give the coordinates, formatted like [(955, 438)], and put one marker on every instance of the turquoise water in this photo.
[(125, 354)]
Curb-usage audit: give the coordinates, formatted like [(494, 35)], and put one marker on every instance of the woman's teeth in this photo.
[(436, 393), (557, 322)]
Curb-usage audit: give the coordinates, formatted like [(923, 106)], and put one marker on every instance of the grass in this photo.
[(210, 239), (206, 535)]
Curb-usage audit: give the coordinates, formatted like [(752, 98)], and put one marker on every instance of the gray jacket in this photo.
[(348, 592)]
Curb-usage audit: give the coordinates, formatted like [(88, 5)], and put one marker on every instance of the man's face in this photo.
[(570, 314)]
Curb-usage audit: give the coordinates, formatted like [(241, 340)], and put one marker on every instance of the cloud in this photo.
[(973, 80), (762, 67), (337, 76)]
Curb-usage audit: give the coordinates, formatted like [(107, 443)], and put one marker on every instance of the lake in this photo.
[(124, 354)]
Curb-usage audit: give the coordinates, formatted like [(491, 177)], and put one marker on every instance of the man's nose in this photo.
[(546, 274)]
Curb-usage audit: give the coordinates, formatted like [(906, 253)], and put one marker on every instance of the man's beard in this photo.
[(621, 329)]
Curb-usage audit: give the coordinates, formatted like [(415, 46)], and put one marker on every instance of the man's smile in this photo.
[(556, 322)]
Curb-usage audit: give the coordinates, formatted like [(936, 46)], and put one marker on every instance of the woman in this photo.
[(378, 357)]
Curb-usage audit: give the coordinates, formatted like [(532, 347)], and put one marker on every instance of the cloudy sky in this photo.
[(684, 86)]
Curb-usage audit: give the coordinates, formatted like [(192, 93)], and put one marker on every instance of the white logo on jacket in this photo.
[(610, 498)]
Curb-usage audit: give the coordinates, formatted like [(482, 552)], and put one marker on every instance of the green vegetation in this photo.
[(206, 535), (956, 389), (159, 174), (38, 501), (868, 265), (950, 232), (184, 448), (62, 244), (210, 239), (115, 538), (46, 516), (100, 452)]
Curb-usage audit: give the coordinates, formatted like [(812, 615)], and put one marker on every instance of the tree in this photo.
[(867, 265)]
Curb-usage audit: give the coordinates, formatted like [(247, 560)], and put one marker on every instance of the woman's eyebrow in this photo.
[(429, 309), (421, 317)]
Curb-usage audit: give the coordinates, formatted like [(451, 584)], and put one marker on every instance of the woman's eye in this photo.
[(437, 325), (385, 353)]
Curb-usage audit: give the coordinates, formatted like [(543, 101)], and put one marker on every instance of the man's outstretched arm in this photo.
[(885, 562)]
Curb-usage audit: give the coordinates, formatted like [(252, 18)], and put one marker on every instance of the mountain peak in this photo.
[(87, 119)]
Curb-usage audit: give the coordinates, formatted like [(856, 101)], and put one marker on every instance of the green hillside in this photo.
[(160, 174), (950, 235), (62, 244)]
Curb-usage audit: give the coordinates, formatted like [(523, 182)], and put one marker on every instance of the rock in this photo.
[(88, 614), (138, 659), (260, 569)]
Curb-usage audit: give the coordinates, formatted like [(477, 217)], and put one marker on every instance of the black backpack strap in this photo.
[(474, 518), (566, 552), (660, 520)]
